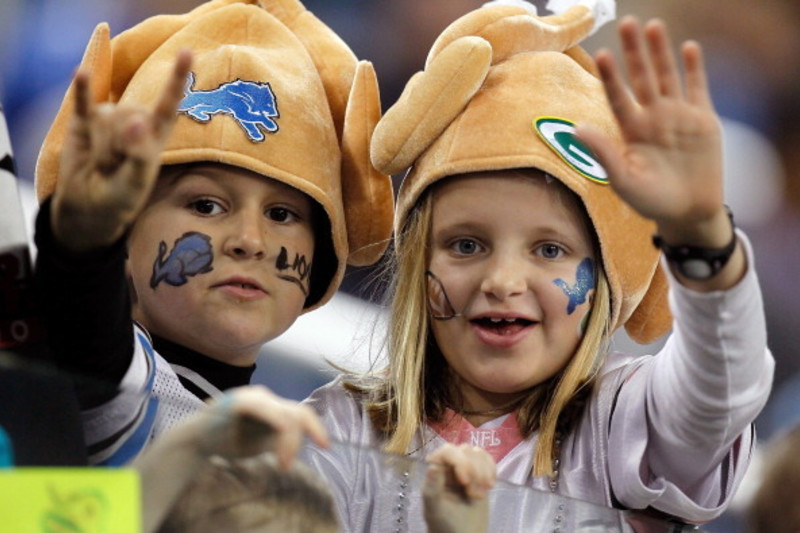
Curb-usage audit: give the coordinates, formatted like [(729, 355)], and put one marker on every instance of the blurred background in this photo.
[(751, 53)]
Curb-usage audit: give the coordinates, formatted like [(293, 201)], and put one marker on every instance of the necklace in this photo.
[(556, 463)]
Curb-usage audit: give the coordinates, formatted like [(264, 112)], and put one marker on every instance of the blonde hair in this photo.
[(415, 385)]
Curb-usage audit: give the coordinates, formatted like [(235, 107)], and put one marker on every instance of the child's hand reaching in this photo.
[(456, 489), (251, 420), (110, 161), (670, 167)]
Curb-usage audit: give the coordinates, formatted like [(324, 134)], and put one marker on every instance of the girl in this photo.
[(518, 255)]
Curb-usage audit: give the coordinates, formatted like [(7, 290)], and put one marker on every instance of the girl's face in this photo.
[(512, 258), (220, 260)]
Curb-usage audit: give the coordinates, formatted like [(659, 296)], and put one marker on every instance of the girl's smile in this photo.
[(501, 331)]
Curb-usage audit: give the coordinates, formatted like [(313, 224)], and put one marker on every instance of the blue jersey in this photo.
[(151, 399)]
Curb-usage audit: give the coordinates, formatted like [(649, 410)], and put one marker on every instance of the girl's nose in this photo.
[(504, 277)]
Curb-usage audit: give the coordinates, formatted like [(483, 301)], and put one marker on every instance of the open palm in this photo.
[(670, 166)]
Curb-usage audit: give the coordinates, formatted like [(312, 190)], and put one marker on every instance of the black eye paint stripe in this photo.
[(299, 265)]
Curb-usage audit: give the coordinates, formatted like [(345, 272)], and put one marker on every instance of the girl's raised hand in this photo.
[(670, 166), (110, 161)]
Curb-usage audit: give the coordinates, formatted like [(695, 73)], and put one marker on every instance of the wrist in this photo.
[(700, 262), (80, 232)]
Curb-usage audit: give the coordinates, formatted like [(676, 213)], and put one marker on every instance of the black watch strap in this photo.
[(696, 262)]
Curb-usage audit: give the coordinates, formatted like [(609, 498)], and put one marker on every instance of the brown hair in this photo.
[(249, 494)]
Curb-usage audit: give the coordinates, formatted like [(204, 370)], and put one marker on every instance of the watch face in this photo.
[(696, 269)]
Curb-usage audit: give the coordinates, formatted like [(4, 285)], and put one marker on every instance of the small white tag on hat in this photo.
[(603, 10), (519, 3)]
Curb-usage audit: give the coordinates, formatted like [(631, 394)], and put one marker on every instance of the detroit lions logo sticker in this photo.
[(251, 104), (559, 134)]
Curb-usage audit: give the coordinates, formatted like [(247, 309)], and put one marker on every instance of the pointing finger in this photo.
[(83, 108), (173, 93)]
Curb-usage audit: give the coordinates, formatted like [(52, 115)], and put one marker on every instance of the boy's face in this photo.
[(514, 257), (220, 260)]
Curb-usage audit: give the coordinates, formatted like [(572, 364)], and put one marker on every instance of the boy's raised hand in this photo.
[(110, 161), (670, 167)]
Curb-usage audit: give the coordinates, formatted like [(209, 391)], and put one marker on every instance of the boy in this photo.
[(239, 231)]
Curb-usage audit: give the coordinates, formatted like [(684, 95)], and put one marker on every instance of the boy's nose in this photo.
[(246, 237), (504, 277)]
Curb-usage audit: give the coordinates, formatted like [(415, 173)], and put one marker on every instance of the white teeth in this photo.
[(510, 319), (495, 320)]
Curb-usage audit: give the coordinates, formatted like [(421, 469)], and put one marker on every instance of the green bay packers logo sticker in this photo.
[(559, 134)]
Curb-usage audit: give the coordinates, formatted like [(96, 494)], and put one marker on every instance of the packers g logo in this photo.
[(559, 134)]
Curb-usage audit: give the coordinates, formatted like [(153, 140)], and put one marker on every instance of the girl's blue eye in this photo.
[(466, 246), (206, 207), (550, 251)]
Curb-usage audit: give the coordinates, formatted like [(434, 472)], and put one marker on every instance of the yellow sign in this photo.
[(70, 500)]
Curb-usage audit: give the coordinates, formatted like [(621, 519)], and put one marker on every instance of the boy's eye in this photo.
[(280, 214), (466, 246), (206, 206), (550, 251)]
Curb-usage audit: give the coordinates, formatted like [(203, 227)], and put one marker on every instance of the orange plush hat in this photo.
[(502, 89), (272, 90)]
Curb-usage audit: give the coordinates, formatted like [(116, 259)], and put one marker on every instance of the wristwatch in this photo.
[(697, 262)]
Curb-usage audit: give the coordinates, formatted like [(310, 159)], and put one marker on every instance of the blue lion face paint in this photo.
[(584, 282), (296, 272), (192, 254), (251, 104)]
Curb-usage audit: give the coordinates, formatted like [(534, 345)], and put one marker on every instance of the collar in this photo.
[(203, 376)]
